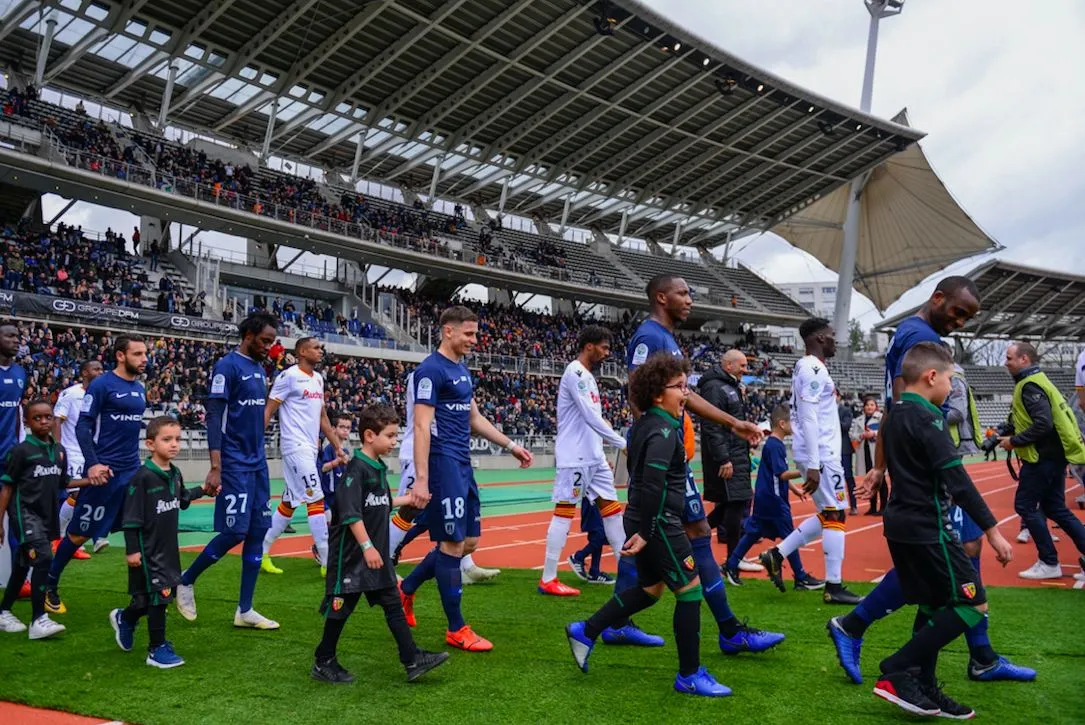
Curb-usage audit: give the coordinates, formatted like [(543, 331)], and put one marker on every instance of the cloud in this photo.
[(996, 86)]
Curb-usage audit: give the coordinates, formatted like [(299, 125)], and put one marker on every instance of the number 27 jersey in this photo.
[(240, 381)]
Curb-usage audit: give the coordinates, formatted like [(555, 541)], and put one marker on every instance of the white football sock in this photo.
[(318, 526), (556, 535), (806, 532), (66, 513), (833, 543), (467, 562), (614, 528), (395, 537), (278, 526)]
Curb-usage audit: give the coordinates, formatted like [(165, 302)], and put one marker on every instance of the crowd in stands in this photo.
[(65, 263), (177, 378)]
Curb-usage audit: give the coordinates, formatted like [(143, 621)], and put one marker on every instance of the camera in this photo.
[(990, 443)]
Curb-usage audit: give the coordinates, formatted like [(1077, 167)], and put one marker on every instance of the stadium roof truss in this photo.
[(1019, 302), (605, 108)]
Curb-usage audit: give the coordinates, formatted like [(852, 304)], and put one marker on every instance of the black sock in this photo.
[(132, 613), (156, 624), (853, 624), (729, 627), (397, 625), (946, 625), (687, 635), (617, 609), (929, 665), (39, 579), (325, 651), (15, 583)]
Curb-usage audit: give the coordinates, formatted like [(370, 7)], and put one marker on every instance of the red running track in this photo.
[(519, 540)]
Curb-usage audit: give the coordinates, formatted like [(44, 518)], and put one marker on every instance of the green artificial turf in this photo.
[(234, 676)]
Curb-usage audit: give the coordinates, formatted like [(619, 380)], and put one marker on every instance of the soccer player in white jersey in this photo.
[(298, 396), (815, 435), (582, 467), (407, 523), (65, 417)]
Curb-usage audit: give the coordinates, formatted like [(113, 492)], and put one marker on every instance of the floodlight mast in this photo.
[(878, 9)]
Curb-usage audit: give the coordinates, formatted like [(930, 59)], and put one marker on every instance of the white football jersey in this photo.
[(302, 401), (581, 426), (406, 441), (68, 406), (1079, 371), (813, 390)]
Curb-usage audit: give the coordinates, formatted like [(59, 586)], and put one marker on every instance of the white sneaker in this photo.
[(100, 544), (1040, 570), (43, 627), (253, 620), (10, 623), (749, 566), (1080, 576), (1023, 536), (186, 601), (478, 575)]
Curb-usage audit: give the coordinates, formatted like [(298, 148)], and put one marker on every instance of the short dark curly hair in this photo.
[(648, 381)]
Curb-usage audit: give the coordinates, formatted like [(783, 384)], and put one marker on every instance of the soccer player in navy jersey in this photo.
[(109, 431), (670, 303), (235, 442), (953, 303), (445, 416), (12, 389)]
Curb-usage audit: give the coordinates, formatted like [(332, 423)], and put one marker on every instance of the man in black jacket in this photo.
[(725, 456)]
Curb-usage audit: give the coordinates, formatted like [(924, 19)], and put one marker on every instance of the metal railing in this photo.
[(255, 204)]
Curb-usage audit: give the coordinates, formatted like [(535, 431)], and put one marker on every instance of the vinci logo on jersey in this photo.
[(458, 407), (251, 401)]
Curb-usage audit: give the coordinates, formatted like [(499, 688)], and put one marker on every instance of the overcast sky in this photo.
[(996, 85)]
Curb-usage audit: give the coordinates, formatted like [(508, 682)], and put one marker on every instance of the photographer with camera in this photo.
[(1046, 438)]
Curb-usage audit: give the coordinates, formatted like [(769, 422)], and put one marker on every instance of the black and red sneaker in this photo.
[(949, 708), (904, 690)]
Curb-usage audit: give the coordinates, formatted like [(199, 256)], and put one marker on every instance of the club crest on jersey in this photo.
[(337, 604), (969, 590), (688, 563), (450, 528), (166, 592), (31, 554), (230, 520)]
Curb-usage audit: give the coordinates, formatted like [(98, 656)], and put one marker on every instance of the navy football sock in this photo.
[(450, 586), (216, 549), (882, 601), (425, 571), (979, 644), (796, 565), (64, 553), (711, 580), (626, 580), (251, 553)]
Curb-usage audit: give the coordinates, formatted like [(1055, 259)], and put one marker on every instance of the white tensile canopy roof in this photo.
[(910, 226)]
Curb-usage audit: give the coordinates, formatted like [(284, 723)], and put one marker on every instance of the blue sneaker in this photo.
[(701, 683), (163, 657), (631, 634), (848, 649), (124, 632), (748, 639), (580, 644), (577, 565), (1001, 669)]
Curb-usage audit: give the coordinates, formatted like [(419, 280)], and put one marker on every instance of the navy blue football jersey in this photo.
[(240, 381), (111, 422), (650, 338), (12, 389), (446, 386)]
